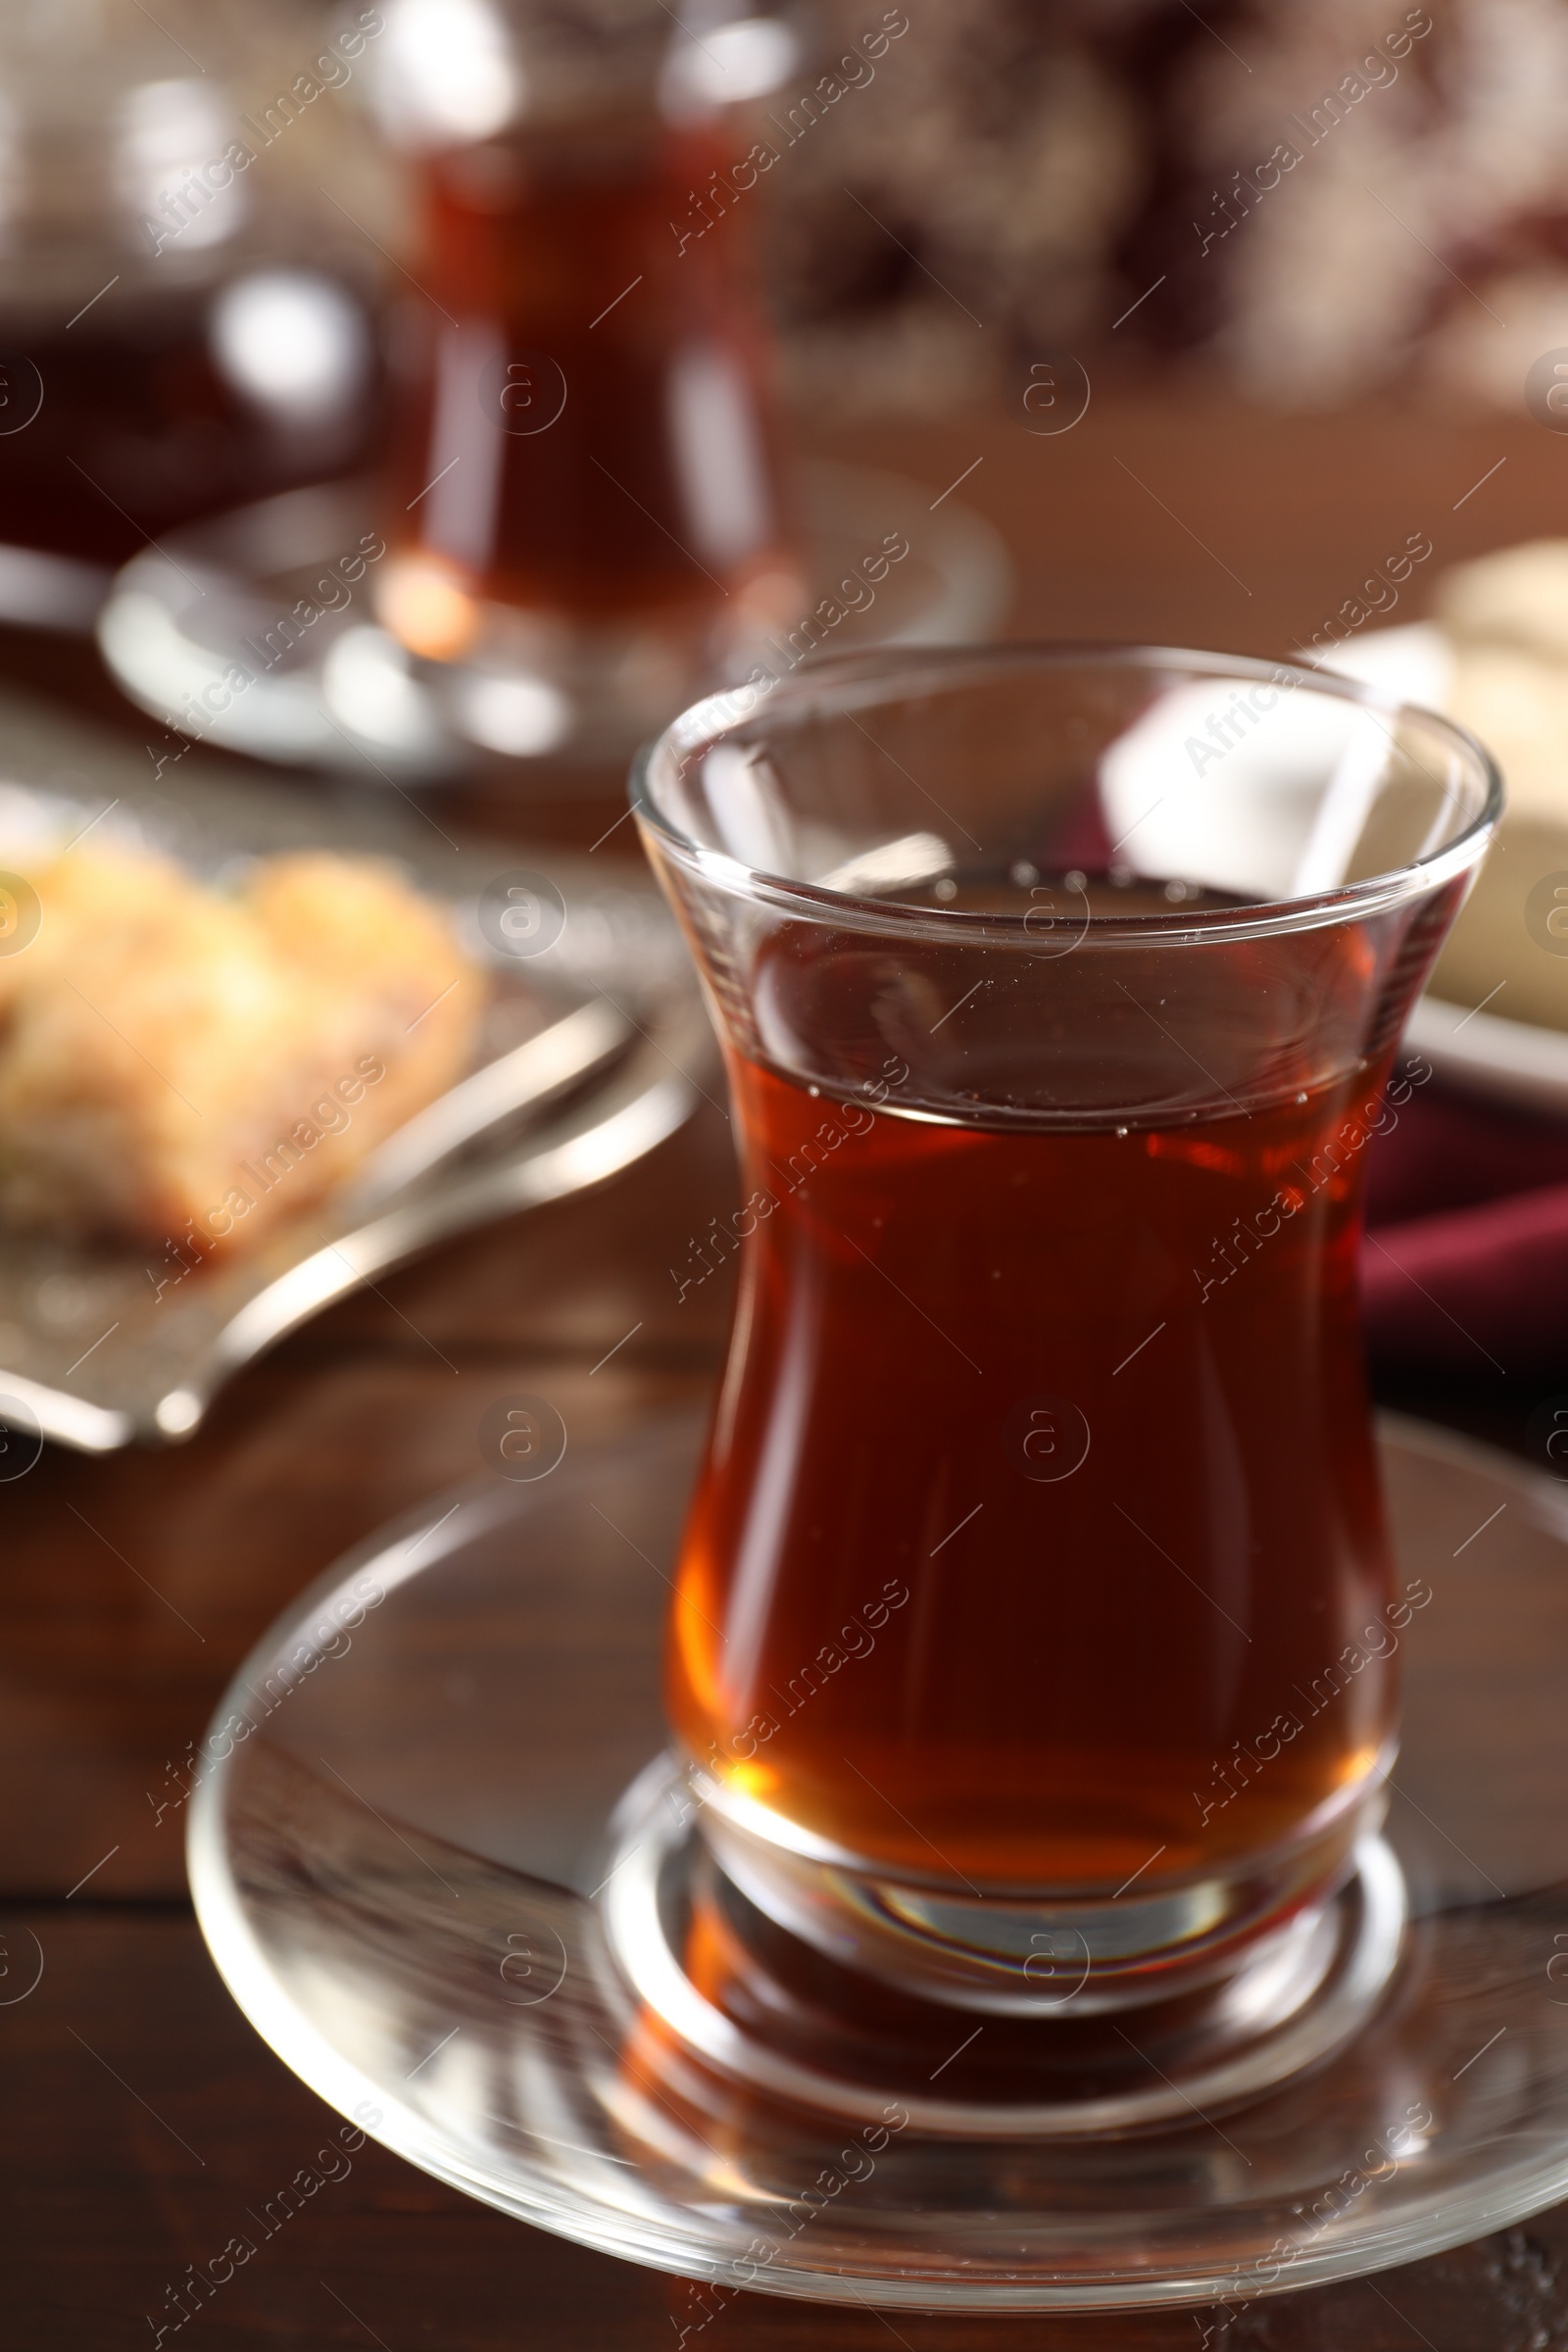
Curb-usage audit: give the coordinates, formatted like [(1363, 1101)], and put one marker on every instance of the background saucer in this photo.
[(346, 696)]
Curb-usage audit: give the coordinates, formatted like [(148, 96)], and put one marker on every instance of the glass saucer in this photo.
[(240, 631), (429, 1823)]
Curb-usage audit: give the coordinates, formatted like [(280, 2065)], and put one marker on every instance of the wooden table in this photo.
[(142, 2115)]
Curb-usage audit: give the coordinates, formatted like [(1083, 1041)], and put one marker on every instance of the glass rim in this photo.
[(727, 710)]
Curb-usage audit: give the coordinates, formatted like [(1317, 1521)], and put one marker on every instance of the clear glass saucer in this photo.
[(256, 631), (427, 1817)]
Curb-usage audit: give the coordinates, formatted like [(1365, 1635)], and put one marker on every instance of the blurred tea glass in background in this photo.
[(586, 517), (186, 302)]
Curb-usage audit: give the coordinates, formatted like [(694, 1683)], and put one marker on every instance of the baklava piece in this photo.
[(184, 1062)]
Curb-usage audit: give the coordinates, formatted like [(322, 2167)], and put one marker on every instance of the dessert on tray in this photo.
[(184, 1061)]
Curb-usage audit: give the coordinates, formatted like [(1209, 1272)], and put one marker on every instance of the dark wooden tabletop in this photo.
[(141, 2113)]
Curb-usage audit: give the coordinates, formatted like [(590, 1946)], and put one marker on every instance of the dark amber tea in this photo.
[(1042, 1516), (138, 429), (586, 433)]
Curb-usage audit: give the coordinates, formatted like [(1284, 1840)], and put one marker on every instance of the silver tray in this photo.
[(592, 1028)]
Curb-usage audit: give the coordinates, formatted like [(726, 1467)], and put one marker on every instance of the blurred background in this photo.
[(1331, 200), (999, 180), (247, 246), (579, 301)]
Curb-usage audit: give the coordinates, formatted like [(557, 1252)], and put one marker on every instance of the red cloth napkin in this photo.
[(1465, 1269)]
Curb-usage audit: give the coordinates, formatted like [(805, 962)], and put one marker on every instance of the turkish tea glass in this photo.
[(1034, 1634)]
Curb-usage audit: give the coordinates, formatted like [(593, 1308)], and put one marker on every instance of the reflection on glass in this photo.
[(166, 133), (293, 343)]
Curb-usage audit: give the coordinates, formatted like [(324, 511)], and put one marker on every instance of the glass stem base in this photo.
[(738, 1965), (1008, 1953)]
